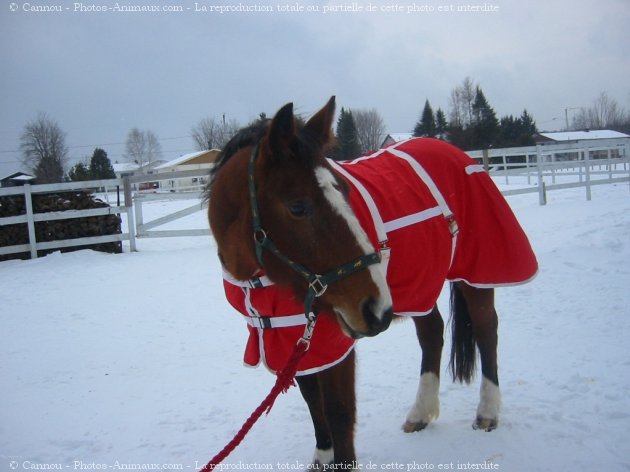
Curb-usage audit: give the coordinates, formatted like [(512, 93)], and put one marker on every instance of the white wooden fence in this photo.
[(146, 229), (540, 165), (590, 163), (30, 218)]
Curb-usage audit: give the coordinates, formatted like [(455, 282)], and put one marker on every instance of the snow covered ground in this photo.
[(114, 361)]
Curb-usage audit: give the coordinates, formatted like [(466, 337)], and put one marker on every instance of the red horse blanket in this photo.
[(433, 213)]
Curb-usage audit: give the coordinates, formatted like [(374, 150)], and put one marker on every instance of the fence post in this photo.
[(610, 164), (131, 225), (485, 160), (505, 169), (32, 238), (587, 169), (542, 197)]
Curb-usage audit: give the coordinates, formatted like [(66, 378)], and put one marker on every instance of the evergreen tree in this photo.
[(426, 127), (347, 146), (100, 166), (49, 170), (79, 172), (485, 122), (441, 125), (516, 132), (508, 132), (528, 131)]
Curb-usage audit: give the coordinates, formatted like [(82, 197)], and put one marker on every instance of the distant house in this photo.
[(17, 179), (395, 137), (131, 168), (607, 137), (201, 160), (574, 136)]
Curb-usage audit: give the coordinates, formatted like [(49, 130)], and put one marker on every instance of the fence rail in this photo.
[(541, 165), (30, 217)]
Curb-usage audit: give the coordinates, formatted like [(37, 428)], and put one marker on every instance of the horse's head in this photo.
[(304, 210)]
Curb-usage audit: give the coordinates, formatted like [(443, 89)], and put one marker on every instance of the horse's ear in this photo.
[(282, 130), (320, 124)]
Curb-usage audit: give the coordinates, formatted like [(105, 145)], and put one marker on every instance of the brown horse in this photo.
[(282, 214)]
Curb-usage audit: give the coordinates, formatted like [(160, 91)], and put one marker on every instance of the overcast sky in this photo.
[(98, 74)]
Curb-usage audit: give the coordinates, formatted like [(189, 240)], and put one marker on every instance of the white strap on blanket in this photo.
[(254, 282), (379, 226), (381, 233), (475, 169), (276, 321), (435, 192), (426, 179), (254, 319)]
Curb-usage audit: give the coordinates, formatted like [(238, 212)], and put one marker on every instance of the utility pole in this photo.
[(566, 115)]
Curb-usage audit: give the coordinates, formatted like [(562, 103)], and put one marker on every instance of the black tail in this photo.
[(463, 349)]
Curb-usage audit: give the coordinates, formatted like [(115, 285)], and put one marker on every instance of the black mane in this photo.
[(248, 136)]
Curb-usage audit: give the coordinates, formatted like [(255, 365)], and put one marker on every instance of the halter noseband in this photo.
[(317, 284)]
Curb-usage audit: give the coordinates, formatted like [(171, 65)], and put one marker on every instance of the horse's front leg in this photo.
[(311, 391), (331, 400), (430, 332)]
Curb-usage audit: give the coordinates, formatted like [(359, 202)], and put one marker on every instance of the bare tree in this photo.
[(154, 149), (135, 146), (604, 112), (462, 98), (210, 133), (142, 147), (370, 129), (44, 150)]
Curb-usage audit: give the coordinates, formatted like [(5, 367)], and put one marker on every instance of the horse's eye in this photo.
[(300, 209)]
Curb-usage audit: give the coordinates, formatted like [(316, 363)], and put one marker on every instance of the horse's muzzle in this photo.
[(375, 319)]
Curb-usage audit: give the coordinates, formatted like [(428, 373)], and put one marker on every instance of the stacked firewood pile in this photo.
[(55, 230)]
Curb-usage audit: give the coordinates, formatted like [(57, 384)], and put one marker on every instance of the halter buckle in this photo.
[(317, 286), (311, 318)]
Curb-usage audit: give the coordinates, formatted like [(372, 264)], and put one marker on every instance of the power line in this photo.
[(81, 146)]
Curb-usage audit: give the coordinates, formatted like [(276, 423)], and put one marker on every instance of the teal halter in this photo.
[(317, 284)]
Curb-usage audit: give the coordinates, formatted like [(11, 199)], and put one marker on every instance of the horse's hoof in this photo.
[(323, 458), (485, 424), (411, 427)]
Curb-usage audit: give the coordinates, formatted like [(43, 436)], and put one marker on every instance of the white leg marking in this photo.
[(489, 405), (427, 405), (324, 456), (327, 182)]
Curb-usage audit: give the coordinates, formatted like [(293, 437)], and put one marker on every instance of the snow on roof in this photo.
[(400, 136), (177, 161), (577, 135), (125, 166), (19, 176), (24, 177), (182, 159)]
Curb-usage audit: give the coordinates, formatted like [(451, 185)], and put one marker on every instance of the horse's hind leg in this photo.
[(483, 316), (331, 400), (430, 332)]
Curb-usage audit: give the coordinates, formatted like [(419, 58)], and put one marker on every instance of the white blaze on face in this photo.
[(335, 197)]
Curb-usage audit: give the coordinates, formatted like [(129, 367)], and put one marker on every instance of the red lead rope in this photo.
[(284, 381)]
